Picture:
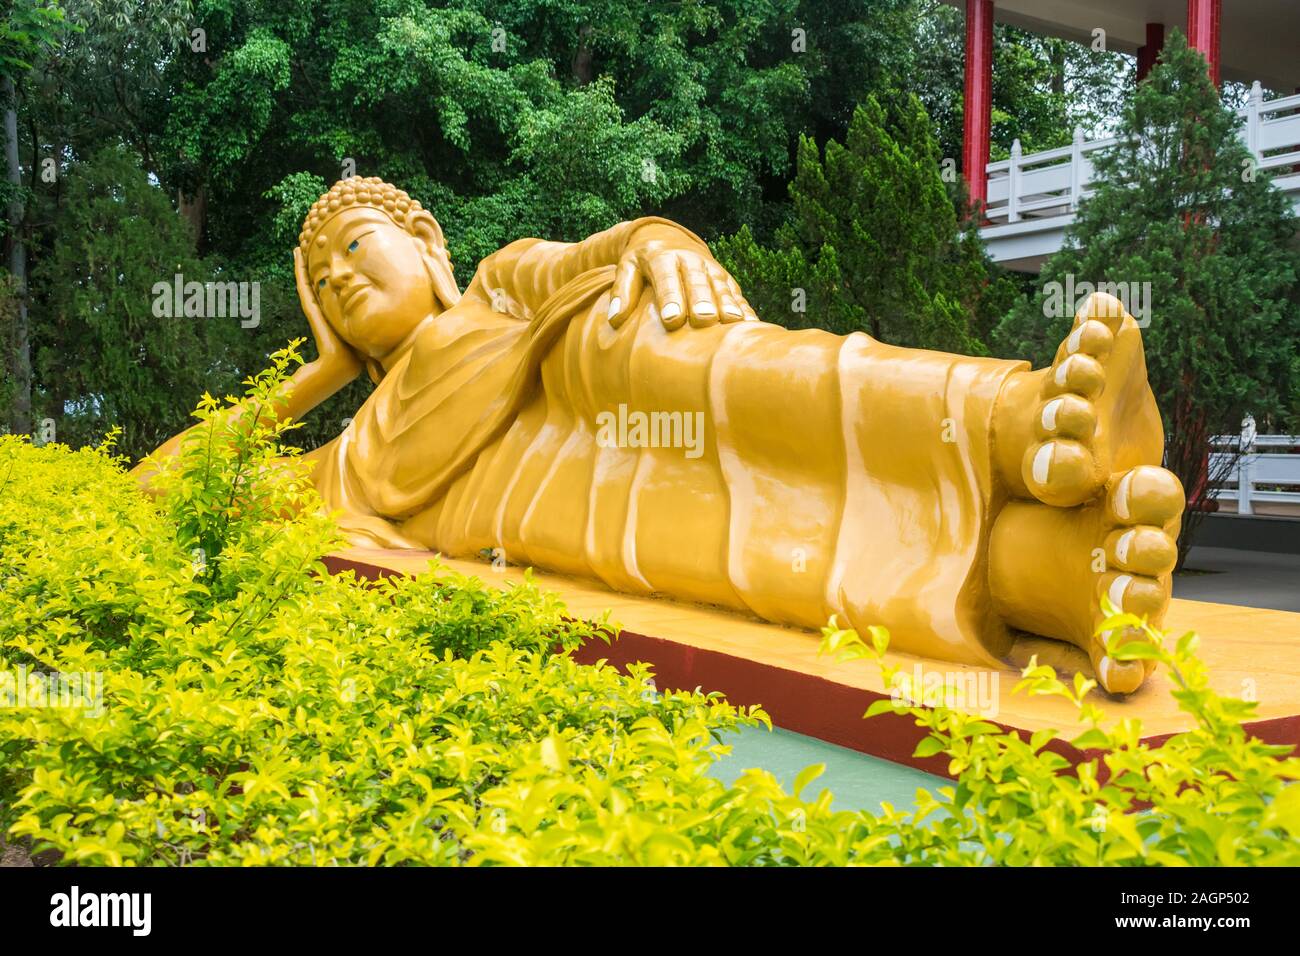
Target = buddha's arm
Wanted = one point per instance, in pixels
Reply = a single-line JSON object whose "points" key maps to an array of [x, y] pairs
{"points": [[309, 385], [685, 277]]}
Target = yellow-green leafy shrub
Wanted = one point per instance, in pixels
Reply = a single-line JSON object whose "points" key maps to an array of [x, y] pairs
{"points": [[1211, 796]]}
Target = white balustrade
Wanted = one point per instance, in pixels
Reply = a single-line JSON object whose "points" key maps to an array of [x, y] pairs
{"points": [[1256, 469], [1050, 183]]}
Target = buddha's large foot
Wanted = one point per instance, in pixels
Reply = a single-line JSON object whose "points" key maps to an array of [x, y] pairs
{"points": [[1050, 567], [1066, 429], [1083, 438]]}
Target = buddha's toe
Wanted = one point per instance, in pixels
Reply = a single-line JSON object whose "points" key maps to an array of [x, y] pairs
{"points": [[1114, 676], [1098, 375], [1147, 494]]}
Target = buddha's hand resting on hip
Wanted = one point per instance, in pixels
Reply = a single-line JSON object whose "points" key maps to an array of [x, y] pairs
{"points": [[687, 283], [335, 355]]}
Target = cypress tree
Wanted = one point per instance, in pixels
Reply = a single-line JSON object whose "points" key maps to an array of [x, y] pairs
{"points": [[874, 242]]}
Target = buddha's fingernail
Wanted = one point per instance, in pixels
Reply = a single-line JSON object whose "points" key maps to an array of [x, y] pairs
{"points": [[672, 310], [615, 304], [704, 307], [731, 309], [1103, 671]]}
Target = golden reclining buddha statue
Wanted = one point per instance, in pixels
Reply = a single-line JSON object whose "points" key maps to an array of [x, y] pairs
{"points": [[614, 409]]}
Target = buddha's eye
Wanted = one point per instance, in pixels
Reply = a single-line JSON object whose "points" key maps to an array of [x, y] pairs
{"points": [[352, 246], [321, 283]]}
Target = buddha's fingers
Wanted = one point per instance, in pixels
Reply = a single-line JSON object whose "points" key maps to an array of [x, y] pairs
{"points": [[699, 289], [746, 310], [726, 295], [331, 349], [628, 284], [306, 297], [668, 289]]}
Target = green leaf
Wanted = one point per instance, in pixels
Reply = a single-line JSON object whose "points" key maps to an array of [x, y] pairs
{"points": [[929, 746], [806, 776]]}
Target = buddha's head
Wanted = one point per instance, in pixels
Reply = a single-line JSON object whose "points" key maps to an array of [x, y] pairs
{"points": [[377, 263]]}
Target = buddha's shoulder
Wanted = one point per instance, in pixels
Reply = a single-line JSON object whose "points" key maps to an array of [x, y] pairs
{"points": [[467, 323]]}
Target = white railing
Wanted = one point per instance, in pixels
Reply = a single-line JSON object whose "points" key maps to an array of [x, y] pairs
{"points": [[1051, 183], [1269, 460]]}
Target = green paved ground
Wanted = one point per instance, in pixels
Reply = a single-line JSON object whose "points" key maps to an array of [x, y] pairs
{"points": [[857, 781]]}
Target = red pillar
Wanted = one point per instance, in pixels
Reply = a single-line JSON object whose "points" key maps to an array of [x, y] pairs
{"points": [[1150, 53], [978, 109], [1203, 31]]}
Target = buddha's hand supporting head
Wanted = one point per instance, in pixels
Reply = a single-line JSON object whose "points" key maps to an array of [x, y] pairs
{"points": [[374, 263]]}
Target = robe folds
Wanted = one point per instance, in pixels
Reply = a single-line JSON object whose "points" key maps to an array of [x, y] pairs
{"points": [[834, 475]]}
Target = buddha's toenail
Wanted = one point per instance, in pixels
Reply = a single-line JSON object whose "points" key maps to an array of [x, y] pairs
{"points": [[1121, 497], [1062, 370], [1117, 589], [1075, 340], [1103, 671], [1122, 546], [1049, 413], [1043, 463]]}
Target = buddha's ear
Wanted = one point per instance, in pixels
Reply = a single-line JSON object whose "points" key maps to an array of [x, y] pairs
{"points": [[425, 228], [437, 261]]}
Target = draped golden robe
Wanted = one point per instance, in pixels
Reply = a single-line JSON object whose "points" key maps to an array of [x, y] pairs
{"points": [[803, 502]]}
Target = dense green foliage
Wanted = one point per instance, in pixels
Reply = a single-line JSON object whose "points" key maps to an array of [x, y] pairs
{"points": [[874, 242], [255, 709], [1180, 212], [519, 118]]}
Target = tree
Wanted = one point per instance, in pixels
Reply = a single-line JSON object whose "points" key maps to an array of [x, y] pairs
{"points": [[105, 356], [1181, 215], [874, 242], [513, 118], [27, 29]]}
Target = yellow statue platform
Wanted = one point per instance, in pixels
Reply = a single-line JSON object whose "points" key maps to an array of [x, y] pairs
{"points": [[613, 409]]}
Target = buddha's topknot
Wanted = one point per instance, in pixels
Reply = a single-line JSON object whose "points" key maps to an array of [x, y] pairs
{"points": [[358, 191]]}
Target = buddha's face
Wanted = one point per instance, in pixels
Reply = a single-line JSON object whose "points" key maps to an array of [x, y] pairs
{"points": [[370, 278]]}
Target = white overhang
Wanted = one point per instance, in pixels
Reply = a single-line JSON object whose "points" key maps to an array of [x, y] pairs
{"points": [[1258, 39]]}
